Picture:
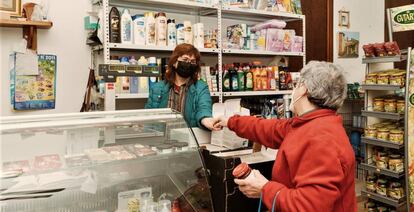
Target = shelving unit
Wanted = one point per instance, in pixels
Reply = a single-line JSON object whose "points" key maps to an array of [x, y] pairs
{"points": [[197, 10], [373, 116]]}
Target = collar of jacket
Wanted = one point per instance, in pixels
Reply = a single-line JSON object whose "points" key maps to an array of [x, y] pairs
{"points": [[300, 120]]}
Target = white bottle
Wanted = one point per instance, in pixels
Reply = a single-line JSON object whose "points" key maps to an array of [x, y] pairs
{"points": [[149, 29], [126, 27], [188, 32], [198, 31], [172, 33], [139, 30], [161, 29], [180, 34]]}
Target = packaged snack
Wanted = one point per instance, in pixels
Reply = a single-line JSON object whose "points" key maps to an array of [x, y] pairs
{"points": [[392, 48], [380, 50], [46, 162], [22, 165], [77, 160], [369, 50]]}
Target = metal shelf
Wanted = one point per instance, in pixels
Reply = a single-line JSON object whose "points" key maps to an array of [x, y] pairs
{"points": [[380, 87], [256, 93], [182, 5], [121, 46], [259, 14], [382, 143], [258, 52], [389, 201], [385, 172], [382, 115], [214, 93], [131, 95], [388, 59]]}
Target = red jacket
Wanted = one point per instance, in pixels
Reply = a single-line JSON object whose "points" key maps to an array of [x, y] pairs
{"points": [[315, 165]]}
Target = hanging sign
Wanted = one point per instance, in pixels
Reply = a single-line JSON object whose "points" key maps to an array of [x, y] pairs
{"points": [[402, 18]]}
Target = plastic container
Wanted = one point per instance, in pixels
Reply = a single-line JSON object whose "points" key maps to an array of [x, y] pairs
{"points": [[188, 32], [126, 27], [164, 206], [150, 29], [171, 32], [115, 26], [161, 29], [139, 29], [242, 171], [241, 79], [180, 34], [180, 146]]}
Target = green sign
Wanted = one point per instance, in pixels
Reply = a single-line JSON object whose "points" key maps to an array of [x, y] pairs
{"points": [[402, 18]]}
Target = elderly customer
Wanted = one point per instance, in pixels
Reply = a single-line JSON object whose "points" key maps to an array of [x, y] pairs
{"points": [[314, 167]]}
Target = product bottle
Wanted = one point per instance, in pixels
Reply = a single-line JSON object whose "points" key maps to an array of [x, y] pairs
{"points": [[249, 79], [226, 81], [257, 79], [126, 27], [198, 32], [139, 29], [242, 171], [234, 83], [142, 61], [240, 79], [188, 32], [149, 29], [161, 29], [263, 74], [180, 34], [271, 79], [114, 26], [172, 33]]}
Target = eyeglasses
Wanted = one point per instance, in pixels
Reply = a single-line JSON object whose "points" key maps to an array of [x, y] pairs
{"points": [[187, 60]]}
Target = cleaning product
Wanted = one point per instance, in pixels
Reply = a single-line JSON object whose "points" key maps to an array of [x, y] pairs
{"points": [[249, 78], [271, 79], [263, 79], [142, 61], [149, 29], [240, 79], [172, 32], [180, 34], [188, 32], [161, 29], [139, 29], [198, 38], [226, 81], [126, 27], [114, 26], [133, 81], [234, 84]]}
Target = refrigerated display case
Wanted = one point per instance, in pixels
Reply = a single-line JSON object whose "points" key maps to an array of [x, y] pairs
{"points": [[141, 160]]}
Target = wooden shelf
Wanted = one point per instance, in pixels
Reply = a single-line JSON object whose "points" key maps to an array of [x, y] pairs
{"points": [[21, 24]]}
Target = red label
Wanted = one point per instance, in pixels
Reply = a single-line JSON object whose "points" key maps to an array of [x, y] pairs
{"points": [[110, 86]]}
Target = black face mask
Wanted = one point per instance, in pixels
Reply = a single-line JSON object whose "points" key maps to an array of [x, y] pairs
{"points": [[185, 69]]}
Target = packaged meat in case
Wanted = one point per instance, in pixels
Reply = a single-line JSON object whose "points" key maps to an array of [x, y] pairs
{"points": [[380, 50], [46, 162], [392, 48], [369, 50]]}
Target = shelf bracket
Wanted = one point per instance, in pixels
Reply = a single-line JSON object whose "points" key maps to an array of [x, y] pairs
{"points": [[30, 35]]}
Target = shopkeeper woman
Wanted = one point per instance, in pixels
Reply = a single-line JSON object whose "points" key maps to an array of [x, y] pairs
{"points": [[182, 91], [314, 167]]}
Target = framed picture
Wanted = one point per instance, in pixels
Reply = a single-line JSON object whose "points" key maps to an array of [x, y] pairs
{"points": [[11, 7], [348, 44], [343, 19]]}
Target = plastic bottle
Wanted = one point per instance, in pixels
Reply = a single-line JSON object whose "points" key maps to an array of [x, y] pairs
{"points": [[188, 32], [257, 85], [264, 81], [180, 34], [142, 61], [139, 29], [161, 29], [271, 79], [172, 32], [226, 81], [240, 79], [126, 27], [234, 83], [114, 26], [249, 79], [149, 29]]}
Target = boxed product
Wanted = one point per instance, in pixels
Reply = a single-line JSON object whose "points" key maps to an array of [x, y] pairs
{"points": [[46, 162], [298, 45], [274, 40], [236, 34], [288, 40], [261, 39]]}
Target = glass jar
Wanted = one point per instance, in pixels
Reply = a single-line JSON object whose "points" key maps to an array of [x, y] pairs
{"points": [[371, 183], [396, 163], [396, 136], [382, 209], [401, 106], [383, 133], [396, 190], [397, 79], [390, 105], [391, 127], [379, 104], [382, 160], [370, 206], [371, 79], [370, 132], [382, 187], [383, 79]]}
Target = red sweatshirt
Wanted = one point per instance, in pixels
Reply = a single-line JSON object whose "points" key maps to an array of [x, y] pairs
{"points": [[315, 165]]}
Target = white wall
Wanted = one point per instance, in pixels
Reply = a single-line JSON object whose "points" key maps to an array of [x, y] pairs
{"points": [[367, 18], [66, 39]]}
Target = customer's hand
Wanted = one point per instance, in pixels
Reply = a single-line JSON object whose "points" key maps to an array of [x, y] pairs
{"points": [[221, 122], [252, 186], [210, 123]]}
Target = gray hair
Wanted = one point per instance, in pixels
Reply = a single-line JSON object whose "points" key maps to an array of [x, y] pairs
{"points": [[326, 84]]}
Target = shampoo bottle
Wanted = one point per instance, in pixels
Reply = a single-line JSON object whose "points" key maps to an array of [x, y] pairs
{"points": [[161, 29], [188, 32], [149, 29], [126, 27], [180, 34], [139, 30], [172, 33], [114, 26]]}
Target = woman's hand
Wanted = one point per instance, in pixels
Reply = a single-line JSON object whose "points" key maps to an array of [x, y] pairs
{"points": [[252, 186], [221, 122], [210, 123]]}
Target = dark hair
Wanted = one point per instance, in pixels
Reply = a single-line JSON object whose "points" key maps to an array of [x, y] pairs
{"points": [[179, 51]]}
